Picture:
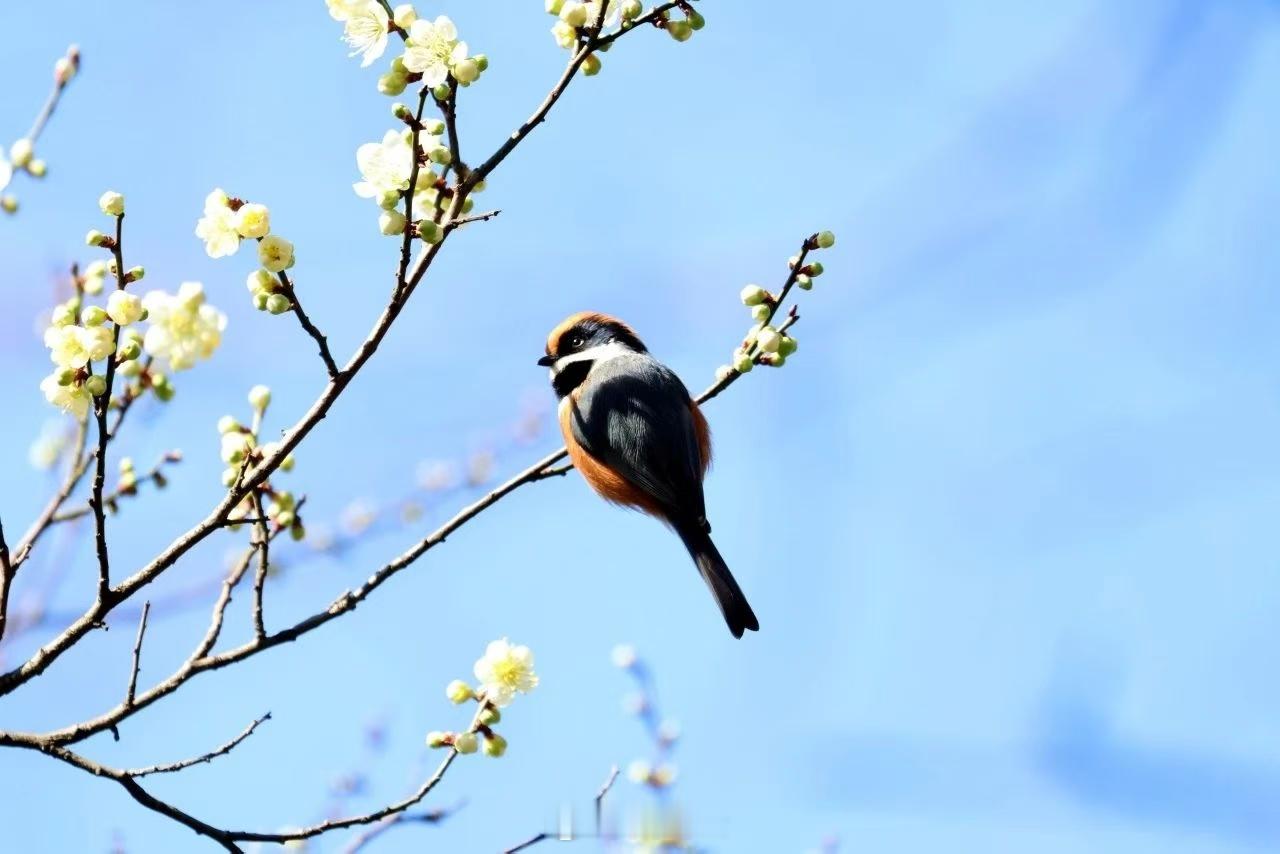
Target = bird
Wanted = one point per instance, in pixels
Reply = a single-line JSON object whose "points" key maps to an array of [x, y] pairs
{"points": [[639, 440]]}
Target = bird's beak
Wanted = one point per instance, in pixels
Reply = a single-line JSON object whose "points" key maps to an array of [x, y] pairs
{"points": [[547, 361]]}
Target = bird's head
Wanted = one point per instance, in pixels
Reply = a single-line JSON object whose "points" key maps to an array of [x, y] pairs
{"points": [[580, 341]]}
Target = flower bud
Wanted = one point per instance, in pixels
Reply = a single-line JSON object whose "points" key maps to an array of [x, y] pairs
{"points": [[402, 112], [466, 71], [458, 692], [37, 168], [392, 84], [826, 240], [742, 362], [632, 9], [404, 15], [260, 300], [261, 281], [788, 346], [495, 745], [490, 715], [93, 316], [774, 360], [227, 423], [389, 199], [128, 351], [769, 339], [591, 65], [436, 738], [391, 222], [804, 282], [297, 531], [760, 313], [259, 397], [95, 238], [277, 304], [66, 377], [287, 463], [9, 204], [681, 31], [111, 203], [554, 6], [482, 62], [441, 92], [21, 152], [753, 295], [696, 21], [814, 268], [441, 155], [430, 231], [96, 385], [132, 367], [465, 742], [135, 274], [433, 127]]}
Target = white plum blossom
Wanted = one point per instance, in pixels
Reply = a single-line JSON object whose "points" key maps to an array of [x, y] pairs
{"points": [[183, 327], [341, 10], [432, 49], [70, 398], [366, 30], [217, 228], [505, 669], [72, 347], [253, 221], [385, 165], [275, 253], [124, 308]]}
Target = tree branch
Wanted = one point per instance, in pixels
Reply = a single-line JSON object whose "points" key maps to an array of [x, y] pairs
{"points": [[137, 655], [204, 757]]}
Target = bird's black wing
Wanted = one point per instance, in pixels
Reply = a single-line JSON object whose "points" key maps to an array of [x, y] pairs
{"points": [[634, 415]]}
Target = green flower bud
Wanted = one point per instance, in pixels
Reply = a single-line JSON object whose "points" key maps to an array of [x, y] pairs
{"points": [[495, 745], [285, 519], [297, 532], [458, 692], [392, 84], [287, 463], [126, 465], [227, 423], [591, 65], [260, 300], [753, 295], [482, 62], [401, 112], [490, 715], [128, 351], [468, 205], [554, 6], [804, 282], [433, 127], [814, 268], [769, 339], [466, 71], [574, 14], [9, 204], [37, 169], [66, 377], [441, 92], [162, 387], [131, 368], [278, 304], [441, 155], [95, 238], [436, 738], [788, 346], [135, 274], [93, 316], [696, 20], [430, 231], [465, 742], [96, 385], [389, 200], [742, 362], [391, 223], [480, 186], [760, 313], [632, 9], [681, 31], [774, 360], [826, 240], [261, 281]]}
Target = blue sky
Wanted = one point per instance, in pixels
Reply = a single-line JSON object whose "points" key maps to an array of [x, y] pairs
{"points": [[1007, 518]]}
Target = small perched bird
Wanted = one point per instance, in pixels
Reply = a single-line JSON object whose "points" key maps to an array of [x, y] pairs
{"points": [[639, 440]]}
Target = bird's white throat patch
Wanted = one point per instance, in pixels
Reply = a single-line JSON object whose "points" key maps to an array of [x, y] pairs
{"points": [[599, 354]]}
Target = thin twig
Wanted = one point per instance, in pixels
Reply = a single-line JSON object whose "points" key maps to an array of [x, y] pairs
{"points": [[433, 817], [311, 329], [137, 655], [204, 757], [264, 565], [604, 790], [155, 474]]}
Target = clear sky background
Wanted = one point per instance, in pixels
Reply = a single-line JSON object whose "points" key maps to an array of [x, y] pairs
{"points": [[1008, 518]]}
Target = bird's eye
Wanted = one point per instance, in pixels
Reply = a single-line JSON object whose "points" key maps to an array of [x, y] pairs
{"points": [[576, 341]]}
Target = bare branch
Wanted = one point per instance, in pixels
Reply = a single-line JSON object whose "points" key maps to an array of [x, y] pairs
{"points": [[137, 655], [264, 564], [204, 757], [604, 790], [322, 342]]}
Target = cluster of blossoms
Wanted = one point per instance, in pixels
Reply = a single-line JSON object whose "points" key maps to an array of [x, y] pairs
{"points": [[766, 344], [22, 154], [575, 19], [182, 329], [225, 223], [432, 51], [503, 671], [659, 773], [386, 170], [241, 450]]}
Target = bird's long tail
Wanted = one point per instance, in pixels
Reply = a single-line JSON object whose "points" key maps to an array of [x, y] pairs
{"points": [[729, 596]]}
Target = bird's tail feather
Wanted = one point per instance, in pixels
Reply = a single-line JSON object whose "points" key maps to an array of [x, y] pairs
{"points": [[733, 604]]}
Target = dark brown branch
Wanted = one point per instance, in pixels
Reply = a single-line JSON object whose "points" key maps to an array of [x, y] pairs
{"points": [[204, 757], [264, 565], [137, 655], [287, 288]]}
